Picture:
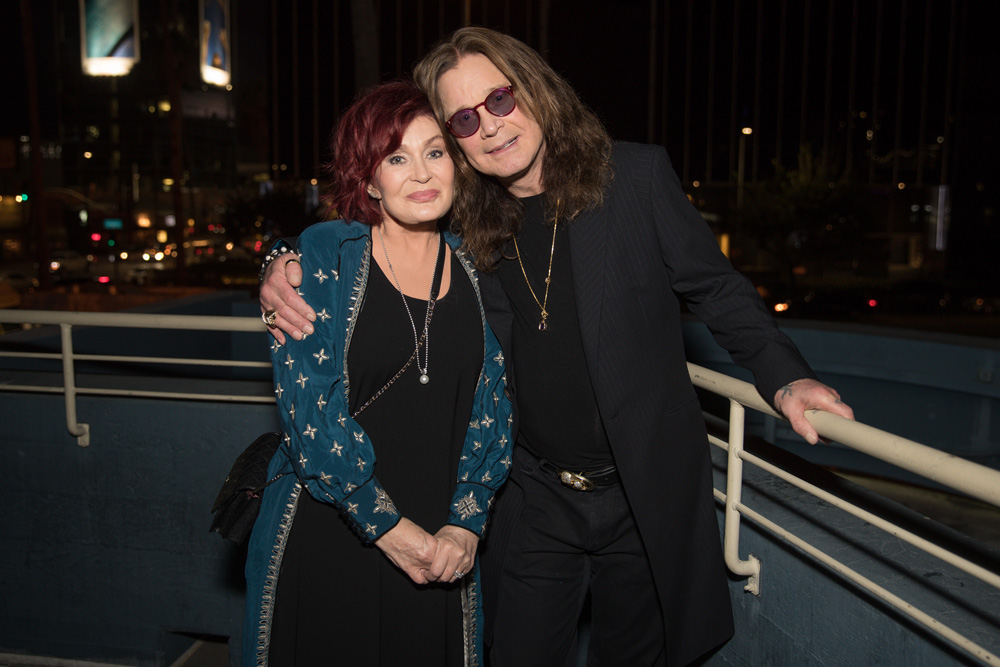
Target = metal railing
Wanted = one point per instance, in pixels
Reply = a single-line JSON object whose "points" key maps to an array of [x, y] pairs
{"points": [[963, 476], [67, 320]]}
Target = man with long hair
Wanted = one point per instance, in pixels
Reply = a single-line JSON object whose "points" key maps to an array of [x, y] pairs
{"points": [[584, 248]]}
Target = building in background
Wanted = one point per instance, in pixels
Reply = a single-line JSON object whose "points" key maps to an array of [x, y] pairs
{"points": [[870, 117]]}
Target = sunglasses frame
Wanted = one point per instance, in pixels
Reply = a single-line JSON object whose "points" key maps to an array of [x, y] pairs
{"points": [[510, 91]]}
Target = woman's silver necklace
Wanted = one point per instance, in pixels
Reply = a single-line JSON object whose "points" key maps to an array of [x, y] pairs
{"points": [[425, 337]]}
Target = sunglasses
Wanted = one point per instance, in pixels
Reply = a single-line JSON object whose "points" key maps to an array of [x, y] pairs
{"points": [[464, 122]]}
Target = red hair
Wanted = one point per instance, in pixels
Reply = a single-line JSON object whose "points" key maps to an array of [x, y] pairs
{"points": [[368, 131]]}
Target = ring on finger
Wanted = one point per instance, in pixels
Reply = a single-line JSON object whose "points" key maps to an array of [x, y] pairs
{"points": [[459, 574], [293, 260], [270, 318]]}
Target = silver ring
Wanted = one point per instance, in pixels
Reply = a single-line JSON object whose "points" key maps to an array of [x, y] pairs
{"points": [[293, 260], [459, 575], [270, 318]]}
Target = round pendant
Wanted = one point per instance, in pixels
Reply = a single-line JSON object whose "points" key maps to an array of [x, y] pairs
{"points": [[542, 326], [424, 379]]}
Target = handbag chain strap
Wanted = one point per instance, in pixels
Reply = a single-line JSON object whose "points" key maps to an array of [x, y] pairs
{"points": [[392, 379], [430, 311]]}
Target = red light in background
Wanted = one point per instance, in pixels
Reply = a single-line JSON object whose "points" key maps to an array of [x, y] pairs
{"points": [[104, 279], [872, 303], [95, 237]]}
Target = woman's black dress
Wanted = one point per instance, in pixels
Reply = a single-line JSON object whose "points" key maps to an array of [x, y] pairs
{"points": [[340, 601]]}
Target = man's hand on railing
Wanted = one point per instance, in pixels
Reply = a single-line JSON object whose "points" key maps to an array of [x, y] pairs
{"points": [[292, 315], [796, 397]]}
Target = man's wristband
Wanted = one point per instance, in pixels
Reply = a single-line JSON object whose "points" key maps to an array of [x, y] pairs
{"points": [[277, 250]]}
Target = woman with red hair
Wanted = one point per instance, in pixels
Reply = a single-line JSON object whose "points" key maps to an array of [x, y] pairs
{"points": [[364, 552]]}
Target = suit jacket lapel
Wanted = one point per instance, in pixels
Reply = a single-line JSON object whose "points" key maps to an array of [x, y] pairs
{"points": [[587, 239]]}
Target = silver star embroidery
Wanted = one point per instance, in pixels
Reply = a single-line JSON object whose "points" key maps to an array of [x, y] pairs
{"points": [[335, 273], [383, 503], [487, 421], [467, 507], [352, 508], [302, 459], [279, 391], [302, 380], [476, 445], [310, 431], [370, 528], [323, 315], [506, 462], [486, 477], [341, 419], [320, 403], [510, 420], [275, 346], [499, 358], [289, 361], [291, 412], [319, 275], [323, 477], [321, 356], [337, 448], [349, 487], [474, 424], [360, 437], [288, 439], [496, 400], [503, 440], [465, 477], [361, 464]]}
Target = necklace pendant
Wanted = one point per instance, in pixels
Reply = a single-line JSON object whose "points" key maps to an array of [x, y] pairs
{"points": [[424, 379], [542, 326]]}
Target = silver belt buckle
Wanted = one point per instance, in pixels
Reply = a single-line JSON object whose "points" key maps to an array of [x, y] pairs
{"points": [[575, 481]]}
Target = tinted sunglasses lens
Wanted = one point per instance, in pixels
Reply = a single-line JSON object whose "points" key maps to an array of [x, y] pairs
{"points": [[500, 102], [464, 123]]}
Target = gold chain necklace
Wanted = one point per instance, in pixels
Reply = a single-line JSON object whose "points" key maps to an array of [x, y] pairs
{"points": [[543, 325]]}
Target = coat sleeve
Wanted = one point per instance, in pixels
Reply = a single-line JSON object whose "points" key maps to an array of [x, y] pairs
{"points": [[486, 453], [714, 291], [329, 451]]}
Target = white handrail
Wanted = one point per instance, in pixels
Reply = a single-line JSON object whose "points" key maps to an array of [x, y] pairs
{"points": [[964, 476], [957, 473], [67, 320]]}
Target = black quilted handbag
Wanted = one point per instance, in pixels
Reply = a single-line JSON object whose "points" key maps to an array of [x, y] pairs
{"points": [[238, 503]]}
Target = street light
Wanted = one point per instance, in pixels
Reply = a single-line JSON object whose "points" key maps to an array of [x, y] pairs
{"points": [[746, 132]]}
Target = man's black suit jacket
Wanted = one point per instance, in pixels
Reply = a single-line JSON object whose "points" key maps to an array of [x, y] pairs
{"points": [[632, 260]]}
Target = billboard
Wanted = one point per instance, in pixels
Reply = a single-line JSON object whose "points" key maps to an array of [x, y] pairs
{"points": [[109, 36], [216, 61]]}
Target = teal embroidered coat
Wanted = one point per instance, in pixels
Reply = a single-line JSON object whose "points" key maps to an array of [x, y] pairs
{"points": [[328, 452]]}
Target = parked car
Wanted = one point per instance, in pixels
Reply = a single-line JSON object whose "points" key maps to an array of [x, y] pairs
{"points": [[69, 265]]}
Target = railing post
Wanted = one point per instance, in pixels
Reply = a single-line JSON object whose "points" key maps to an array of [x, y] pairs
{"points": [[734, 488], [81, 431]]}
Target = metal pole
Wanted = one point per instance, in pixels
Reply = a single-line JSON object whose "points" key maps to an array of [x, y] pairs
{"points": [[81, 431]]}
